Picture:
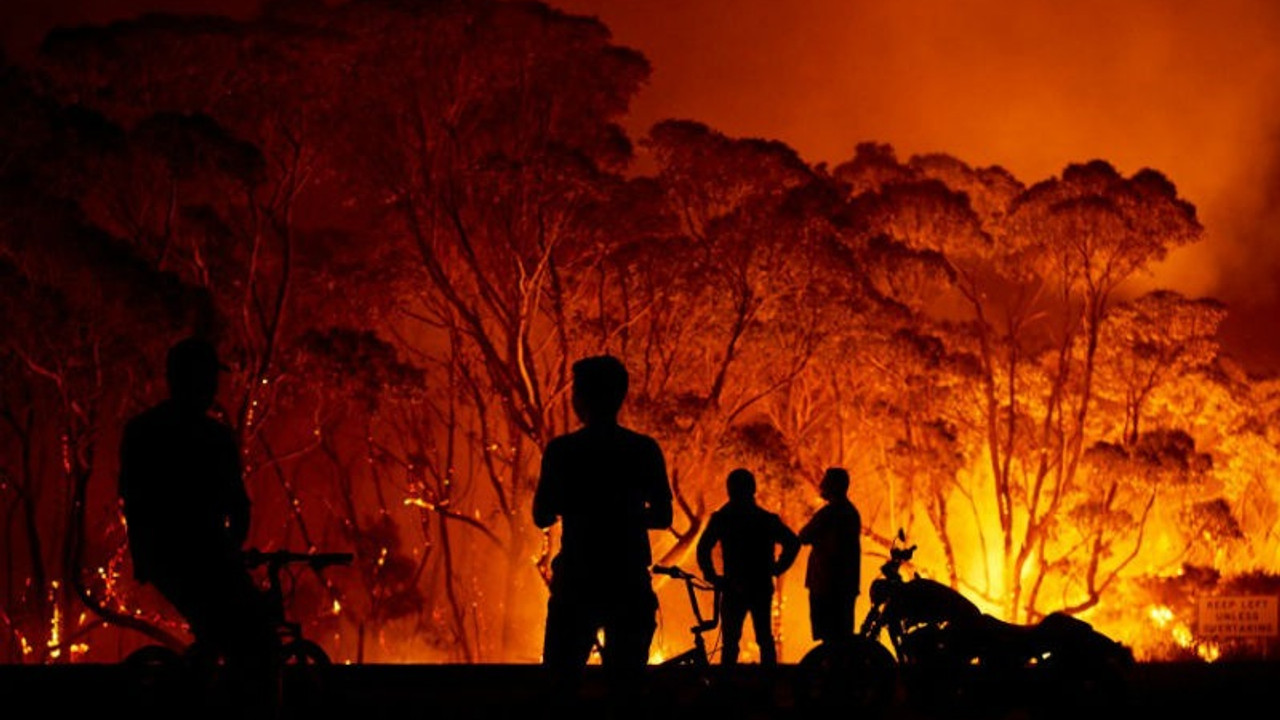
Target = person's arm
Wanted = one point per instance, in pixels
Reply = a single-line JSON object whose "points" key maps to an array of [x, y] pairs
{"points": [[710, 536], [810, 530], [658, 511], [137, 522], [790, 543], [237, 497], [132, 474], [546, 499], [125, 482]]}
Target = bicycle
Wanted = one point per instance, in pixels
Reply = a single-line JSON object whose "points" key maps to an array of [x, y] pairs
{"points": [[695, 656], [691, 694], [292, 649]]}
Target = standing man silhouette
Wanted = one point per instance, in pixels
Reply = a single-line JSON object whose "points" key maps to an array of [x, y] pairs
{"points": [[187, 511], [834, 569], [608, 486], [749, 538]]}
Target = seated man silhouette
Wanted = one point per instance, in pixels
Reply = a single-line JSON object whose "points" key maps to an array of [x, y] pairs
{"points": [[187, 512], [749, 538], [607, 486]]}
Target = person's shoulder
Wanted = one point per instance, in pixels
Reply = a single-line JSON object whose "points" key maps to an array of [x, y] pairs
{"points": [[562, 446], [849, 514], [716, 519], [220, 429], [771, 516], [145, 420], [776, 521], [639, 439], [560, 442], [826, 515]]}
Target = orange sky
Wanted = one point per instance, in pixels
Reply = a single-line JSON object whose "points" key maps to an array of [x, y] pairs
{"points": [[1190, 87]]}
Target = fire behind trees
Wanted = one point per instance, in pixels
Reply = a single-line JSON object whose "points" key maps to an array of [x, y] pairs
{"points": [[403, 222]]}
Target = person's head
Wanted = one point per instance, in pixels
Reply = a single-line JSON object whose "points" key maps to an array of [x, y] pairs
{"points": [[192, 368], [835, 484], [741, 485], [599, 387]]}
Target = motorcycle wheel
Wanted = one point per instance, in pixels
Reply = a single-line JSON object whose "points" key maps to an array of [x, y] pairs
{"points": [[858, 675], [304, 652], [150, 657], [1083, 688]]}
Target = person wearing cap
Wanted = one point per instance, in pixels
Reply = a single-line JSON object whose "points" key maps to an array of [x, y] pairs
{"points": [[187, 512], [833, 573], [755, 547]]}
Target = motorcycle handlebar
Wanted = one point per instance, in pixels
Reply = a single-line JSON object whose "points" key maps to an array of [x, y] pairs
{"points": [[902, 553]]}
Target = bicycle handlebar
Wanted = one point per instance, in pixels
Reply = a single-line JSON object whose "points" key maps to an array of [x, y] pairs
{"points": [[902, 554], [692, 584], [677, 573], [669, 571], [672, 571]]}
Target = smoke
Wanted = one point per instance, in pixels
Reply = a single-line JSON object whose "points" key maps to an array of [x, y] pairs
{"points": [[1189, 87]]}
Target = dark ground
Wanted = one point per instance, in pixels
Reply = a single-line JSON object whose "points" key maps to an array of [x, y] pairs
{"points": [[368, 692]]}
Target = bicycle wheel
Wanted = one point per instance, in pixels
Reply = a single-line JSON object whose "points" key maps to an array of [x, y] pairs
{"points": [[858, 675], [153, 657], [303, 652]]}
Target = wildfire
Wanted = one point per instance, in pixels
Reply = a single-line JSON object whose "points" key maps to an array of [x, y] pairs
{"points": [[974, 345], [1160, 615], [55, 623]]}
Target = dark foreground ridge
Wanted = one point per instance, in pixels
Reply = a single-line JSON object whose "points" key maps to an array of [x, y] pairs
{"points": [[365, 692]]}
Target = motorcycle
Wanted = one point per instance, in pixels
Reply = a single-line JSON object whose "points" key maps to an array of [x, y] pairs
{"points": [[949, 654]]}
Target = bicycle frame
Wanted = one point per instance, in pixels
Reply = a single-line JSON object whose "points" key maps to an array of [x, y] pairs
{"points": [[292, 643], [275, 562]]}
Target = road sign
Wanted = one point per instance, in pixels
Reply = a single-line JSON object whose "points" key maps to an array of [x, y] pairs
{"points": [[1239, 616]]}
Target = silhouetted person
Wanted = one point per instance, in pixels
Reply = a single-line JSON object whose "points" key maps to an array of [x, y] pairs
{"points": [[187, 512], [835, 560], [750, 539], [607, 485]]}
